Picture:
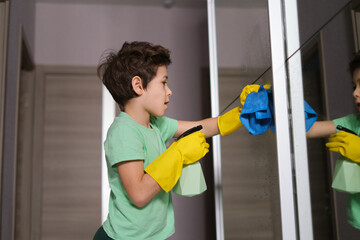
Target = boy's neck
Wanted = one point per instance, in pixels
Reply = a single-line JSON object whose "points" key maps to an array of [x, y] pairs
{"points": [[138, 114]]}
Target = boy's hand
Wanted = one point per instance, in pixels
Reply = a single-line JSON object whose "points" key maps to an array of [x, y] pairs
{"points": [[347, 144], [192, 147], [167, 168], [249, 89], [229, 122]]}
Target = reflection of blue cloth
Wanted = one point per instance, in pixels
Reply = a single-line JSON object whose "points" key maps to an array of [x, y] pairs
{"points": [[271, 107], [257, 114], [310, 116]]}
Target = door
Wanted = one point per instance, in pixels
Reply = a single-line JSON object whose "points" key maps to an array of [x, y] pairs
{"points": [[69, 118]]}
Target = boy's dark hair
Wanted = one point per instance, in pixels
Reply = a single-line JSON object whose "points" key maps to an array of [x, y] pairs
{"points": [[354, 63], [133, 59]]}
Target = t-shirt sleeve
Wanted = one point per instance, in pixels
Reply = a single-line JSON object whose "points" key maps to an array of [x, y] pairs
{"points": [[349, 121], [124, 144], [167, 127]]}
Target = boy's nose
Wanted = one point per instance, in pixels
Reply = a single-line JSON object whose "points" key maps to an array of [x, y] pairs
{"points": [[356, 92], [169, 92]]}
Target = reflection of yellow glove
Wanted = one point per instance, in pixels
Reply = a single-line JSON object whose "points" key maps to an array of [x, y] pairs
{"points": [[347, 144], [229, 122], [249, 89], [166, 169]]}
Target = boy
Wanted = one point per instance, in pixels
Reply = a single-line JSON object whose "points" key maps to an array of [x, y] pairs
{"points": [[141, 171]]}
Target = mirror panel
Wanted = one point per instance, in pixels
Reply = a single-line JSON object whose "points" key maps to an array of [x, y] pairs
{"points": [[328, 40], [249, 163]]}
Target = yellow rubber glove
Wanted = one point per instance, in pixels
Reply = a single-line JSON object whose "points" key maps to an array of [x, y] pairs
{"points": [[166, 169], [249, 89], [347, 144], [229, 122]]}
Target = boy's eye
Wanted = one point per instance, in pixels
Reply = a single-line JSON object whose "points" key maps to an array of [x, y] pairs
{"points": [[354, 86]]}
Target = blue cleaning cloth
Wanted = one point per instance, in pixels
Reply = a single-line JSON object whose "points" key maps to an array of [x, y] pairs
{"points": [[310, 116], [256, 115], [271, 107]]}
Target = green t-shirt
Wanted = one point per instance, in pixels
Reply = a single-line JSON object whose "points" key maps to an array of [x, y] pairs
{"points": [[127, 140], [352, 122]]}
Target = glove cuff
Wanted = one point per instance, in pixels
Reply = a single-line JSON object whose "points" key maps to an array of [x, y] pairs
{"points": [[166, 169], [229, 122]]}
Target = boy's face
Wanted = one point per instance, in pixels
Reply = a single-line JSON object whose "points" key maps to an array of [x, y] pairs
{"points": [[356, 83], [157, 93]]}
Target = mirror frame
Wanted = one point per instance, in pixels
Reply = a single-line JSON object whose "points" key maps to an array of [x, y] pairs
{"points": [[355, 14], [4, 19]]}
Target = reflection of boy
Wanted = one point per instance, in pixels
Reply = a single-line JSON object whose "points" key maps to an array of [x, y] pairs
{"points": [[141, 170], [347, 144]]}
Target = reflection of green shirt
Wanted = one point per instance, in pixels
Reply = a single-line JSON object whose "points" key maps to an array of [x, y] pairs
{"points": [[127, 140], [353, 210], [352, 122]]}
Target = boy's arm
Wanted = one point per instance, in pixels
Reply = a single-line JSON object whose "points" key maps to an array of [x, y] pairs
{"points": [[139, 186], [162, 173], [321, 129], [210, 127], [225, 124]]}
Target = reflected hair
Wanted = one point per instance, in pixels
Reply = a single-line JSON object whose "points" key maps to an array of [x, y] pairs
{"points": [[117, 69], [354, 63]]}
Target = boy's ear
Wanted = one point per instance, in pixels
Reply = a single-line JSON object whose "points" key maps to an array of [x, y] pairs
{"points": [[137, 85]]}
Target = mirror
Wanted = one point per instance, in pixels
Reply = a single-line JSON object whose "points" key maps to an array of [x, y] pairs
{"points": [[249, 162], [327, 45]]}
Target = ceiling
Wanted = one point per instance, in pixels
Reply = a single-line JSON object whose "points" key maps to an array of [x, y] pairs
{"points": [[168, 3]]}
